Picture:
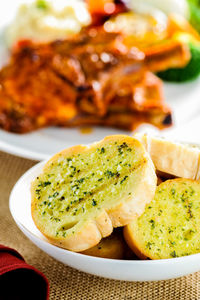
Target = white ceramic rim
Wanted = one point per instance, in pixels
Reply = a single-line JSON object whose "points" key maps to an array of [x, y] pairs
{"points": [[21, 152]]}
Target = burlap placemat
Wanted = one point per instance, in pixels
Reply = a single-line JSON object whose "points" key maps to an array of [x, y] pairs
{"points": [[67, 283]]}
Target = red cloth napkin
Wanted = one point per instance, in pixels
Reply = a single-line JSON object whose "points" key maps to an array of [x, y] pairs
{"points": [[18, 280]]}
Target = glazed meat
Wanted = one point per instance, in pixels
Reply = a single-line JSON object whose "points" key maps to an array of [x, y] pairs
{"points": [[93, 78], [168, 54]]}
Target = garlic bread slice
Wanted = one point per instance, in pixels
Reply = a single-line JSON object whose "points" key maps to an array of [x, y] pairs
{"points": [[85, 191], [178, 159], [113, 247], [170, 225]]}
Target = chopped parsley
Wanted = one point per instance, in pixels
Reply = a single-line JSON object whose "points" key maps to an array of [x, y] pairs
{"points": [[109, 173], [55, 194], [102, 150], [125, 177], [148, 245], [123, 146], [80, 180], [173, 191], [152, 223], [94, 203], [173, 254]]}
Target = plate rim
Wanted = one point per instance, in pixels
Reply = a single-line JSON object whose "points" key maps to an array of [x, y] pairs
{"points": [[21, 152], [39, 156]]}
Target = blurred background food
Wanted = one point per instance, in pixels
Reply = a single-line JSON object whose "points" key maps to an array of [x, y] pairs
{"points": [[170, 6], [44, 21], [96, 62], [194, 13]]}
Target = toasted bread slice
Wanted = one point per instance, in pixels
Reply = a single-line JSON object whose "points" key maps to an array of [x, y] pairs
{"points": [[85, 191], [170, 225], [113, 247], [178, 159]]}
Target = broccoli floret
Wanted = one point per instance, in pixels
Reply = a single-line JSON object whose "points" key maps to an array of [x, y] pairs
{"points": [[194, 7], [189, 72]]}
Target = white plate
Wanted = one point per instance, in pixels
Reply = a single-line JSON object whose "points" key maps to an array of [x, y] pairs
{"points": [[183, 99], [129, 270]]}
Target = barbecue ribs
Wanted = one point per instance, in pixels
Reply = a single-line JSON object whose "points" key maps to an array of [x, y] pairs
{"points": [[93, 78]]}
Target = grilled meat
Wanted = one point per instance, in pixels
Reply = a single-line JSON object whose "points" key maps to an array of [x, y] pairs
{"points": [[93, 78]]}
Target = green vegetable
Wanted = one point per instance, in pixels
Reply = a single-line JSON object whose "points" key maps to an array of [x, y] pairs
{"points": [[41, 4], [189, 72], [194, 6]]}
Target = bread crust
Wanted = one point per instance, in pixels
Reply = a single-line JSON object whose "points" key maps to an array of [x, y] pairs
{"points": [[91, 231], [173, 158], [132, 243]]}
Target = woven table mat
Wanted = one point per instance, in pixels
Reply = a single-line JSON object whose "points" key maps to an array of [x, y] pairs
{"points": [[67, 283]]}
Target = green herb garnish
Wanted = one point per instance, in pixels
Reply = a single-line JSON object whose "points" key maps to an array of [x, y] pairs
{"points": [[173, 254], [102, 150], [125, 177], [41, 4], [94, 203]]}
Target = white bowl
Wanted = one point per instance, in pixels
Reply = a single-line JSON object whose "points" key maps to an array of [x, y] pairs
{"points": [[129, 270]]}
